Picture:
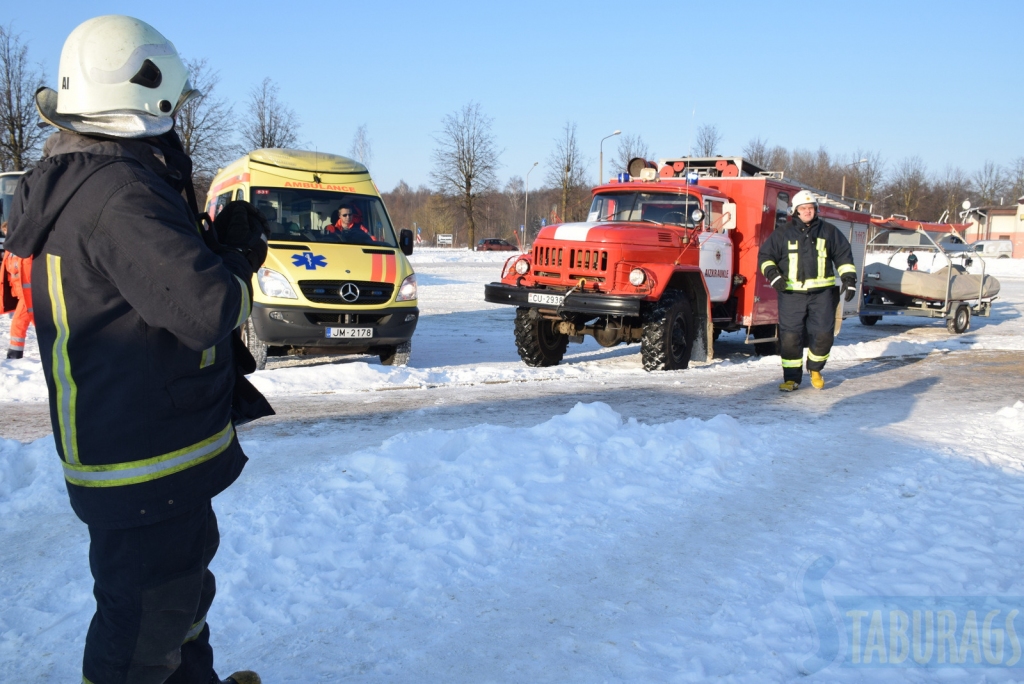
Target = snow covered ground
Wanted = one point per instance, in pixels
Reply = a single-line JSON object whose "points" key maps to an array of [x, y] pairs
{"points": [[587, 544]]}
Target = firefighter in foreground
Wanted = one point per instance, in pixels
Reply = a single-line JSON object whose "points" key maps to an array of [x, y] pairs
{"points": [[135, 321], [801, 261], [15, 279]]}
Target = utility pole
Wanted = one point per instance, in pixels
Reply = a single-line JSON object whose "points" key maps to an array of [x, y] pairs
{"points": [[526, 203], [600, 166]]}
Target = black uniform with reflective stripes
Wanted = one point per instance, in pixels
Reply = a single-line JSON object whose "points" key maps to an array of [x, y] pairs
{"points": [[134, 315], [809, 257]]}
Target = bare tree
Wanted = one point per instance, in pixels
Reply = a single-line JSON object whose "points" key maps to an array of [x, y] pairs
{"points": [[908, 185], [269, 122], [1015, 178], [205, 124], [361, 149], [989, 184], [567, 172], [630, 147], [708, 139], [465, 160], [756, 152], [863, 178], [20, 135], [948, 193]]}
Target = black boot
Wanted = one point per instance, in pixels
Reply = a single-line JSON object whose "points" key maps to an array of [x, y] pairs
{"points": [[242, 677], [15, 353]]}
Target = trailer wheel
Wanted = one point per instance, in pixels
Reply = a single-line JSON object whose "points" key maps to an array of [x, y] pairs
{"points": [[396, 355], [766, 348], [537, 341], [869, 320], [668, 333], [961, 320], [257, 347]]}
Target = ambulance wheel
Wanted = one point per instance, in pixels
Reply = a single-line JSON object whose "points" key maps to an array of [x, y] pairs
{"points": [[396, 356], [537, 341], [668, 333], [765, 348], [961, 320], [257, 347]]}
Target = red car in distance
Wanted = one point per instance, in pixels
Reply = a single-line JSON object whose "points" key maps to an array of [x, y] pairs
{"points": [[495, 245]]}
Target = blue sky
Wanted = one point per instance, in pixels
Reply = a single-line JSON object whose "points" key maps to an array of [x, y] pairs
{"points": [[940, 80]]}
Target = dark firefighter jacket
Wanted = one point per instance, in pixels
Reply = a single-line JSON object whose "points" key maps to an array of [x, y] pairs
{"points": [[133, 316], [805, 254]]}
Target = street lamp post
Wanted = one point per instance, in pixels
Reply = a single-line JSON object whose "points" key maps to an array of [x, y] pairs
{"points": [[600, 167], [526, 204], [842, 193]]}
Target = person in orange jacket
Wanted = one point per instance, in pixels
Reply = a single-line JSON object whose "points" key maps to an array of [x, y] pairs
{"points": [[16, 277]]}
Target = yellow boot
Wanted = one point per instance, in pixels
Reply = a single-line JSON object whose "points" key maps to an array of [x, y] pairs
{"points": [[817, 382], [789, 386]]}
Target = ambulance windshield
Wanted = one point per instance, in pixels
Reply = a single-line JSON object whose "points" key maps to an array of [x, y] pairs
{"points": [[323, 216], [661, 208]]}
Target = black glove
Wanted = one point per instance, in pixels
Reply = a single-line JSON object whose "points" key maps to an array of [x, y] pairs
{"points": [[849, 286], [241, 227], [775, 279]]}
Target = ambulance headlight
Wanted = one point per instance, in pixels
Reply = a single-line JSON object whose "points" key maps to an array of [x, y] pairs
{"points": [[522, 267], [273, 284], [637, 277], [407, 292]]}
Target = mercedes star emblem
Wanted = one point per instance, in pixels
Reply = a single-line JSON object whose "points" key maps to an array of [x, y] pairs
{"points": [[349, 292]]}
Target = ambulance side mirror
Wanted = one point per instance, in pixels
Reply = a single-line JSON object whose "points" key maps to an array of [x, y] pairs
{"points": [[729, 216], [405, 241]]}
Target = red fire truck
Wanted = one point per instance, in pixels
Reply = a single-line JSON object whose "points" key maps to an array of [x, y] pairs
{"points": [[667, 258]]}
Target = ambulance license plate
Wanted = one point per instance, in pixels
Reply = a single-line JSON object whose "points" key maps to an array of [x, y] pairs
{"points": [[553, 300], [347, 333]]}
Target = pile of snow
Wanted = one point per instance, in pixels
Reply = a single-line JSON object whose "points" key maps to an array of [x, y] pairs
{"points": [[1012, 417], [586, 548]]}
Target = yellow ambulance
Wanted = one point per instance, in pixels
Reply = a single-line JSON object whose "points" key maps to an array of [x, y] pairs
{"points": [[336, 279]]}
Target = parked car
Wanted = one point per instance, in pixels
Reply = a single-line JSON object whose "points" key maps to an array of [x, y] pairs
{"points": [[993, 249], [495, 245]]}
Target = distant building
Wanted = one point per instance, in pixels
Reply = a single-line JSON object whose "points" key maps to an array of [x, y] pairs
{"points": [[999, 222]]}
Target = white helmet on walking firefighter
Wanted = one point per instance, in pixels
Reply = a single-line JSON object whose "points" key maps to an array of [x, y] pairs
{"points": [[804, 197], [118, 77]]}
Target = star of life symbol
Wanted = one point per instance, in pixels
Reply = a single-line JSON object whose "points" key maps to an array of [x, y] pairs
{"points": [[718, 255], [349, 292], [309, 260]]}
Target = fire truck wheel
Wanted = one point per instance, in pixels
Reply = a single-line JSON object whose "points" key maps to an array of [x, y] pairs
{"points": [[536, 340], [668, 333], [256, 346], [869, 320], [765, 348], [396, 356]]}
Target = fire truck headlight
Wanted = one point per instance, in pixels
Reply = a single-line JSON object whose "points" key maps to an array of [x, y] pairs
{"points": [[522, 267], [637, 277]]}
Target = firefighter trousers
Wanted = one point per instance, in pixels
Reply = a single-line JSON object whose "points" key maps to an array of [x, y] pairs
{"points": [[153, 588], [810, 317]]}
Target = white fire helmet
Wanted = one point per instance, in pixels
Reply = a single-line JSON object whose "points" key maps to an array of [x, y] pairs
{"points": [[804, 197], [118, 77]]}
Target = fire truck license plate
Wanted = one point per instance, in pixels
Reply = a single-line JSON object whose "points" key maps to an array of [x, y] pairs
{"points": [[349, 332], [553, 300]]}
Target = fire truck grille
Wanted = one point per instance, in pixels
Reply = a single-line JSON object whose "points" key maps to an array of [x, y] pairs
{"points": [[588, 260], [547, 256], [329, 291]]}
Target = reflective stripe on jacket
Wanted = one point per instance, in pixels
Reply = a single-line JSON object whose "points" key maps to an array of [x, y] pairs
{"points": [[808, 256]]}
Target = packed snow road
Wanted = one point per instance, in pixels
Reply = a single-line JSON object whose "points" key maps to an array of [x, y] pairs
{"points": [[470, 519]]}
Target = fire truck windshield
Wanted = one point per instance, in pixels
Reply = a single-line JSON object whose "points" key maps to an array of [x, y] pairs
{"points": [[662, 208]]}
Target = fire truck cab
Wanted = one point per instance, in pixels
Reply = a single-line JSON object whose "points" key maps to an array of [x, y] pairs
{"points": [[668, 258]]}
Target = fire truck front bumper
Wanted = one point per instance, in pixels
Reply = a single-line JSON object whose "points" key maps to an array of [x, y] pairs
{"points": [[593, 303]]}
